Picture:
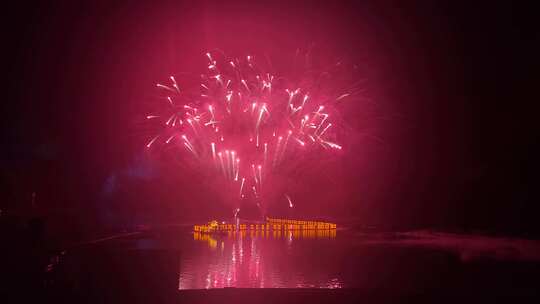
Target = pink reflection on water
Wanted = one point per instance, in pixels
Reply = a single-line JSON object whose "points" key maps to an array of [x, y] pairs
{"points": [[256, 259]]}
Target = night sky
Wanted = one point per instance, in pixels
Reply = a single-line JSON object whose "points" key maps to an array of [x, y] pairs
{"points": [[454, 88]]}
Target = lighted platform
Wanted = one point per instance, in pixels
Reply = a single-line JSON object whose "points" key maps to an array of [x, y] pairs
{"points": [[270, 225]]}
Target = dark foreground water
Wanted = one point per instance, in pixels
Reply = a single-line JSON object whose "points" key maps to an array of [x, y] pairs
{"points": [[345, 259], [160, 263]]}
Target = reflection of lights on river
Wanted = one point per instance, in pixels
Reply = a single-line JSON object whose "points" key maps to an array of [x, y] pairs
{"points": [[252, 259]]}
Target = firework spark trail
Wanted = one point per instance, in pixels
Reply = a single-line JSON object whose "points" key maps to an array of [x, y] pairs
{"points": [[289, 200], [241, 111], [242, 186]]}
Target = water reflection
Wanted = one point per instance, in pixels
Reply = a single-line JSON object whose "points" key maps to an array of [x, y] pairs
{"points": [[259, 259]]}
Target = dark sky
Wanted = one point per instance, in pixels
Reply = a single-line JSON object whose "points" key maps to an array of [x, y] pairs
{"points": [[454, 85]]}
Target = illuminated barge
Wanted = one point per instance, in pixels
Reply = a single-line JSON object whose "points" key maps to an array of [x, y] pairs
{"points": [[271, 224]]}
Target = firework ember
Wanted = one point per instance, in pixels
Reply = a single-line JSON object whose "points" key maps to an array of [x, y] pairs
{"points": [[249, 129]]}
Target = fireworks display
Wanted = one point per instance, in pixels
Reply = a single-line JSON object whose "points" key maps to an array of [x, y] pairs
{"points": [[250, 131]]}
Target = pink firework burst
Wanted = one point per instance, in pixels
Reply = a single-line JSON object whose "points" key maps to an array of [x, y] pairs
{"points": [[253, 133]]}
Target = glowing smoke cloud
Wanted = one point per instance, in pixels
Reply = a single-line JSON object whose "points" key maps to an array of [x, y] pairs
{"points": [[248, 127]]}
